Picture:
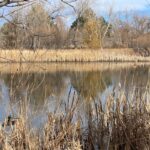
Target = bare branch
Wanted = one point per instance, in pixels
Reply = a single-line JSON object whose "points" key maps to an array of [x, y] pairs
{"points": [[15, 2], [69, 3]]}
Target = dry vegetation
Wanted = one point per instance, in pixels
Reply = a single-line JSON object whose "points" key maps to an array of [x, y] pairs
{"points": [[121, 123], [76, 55]]}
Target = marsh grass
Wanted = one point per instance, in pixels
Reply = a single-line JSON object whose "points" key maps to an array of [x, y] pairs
{"points": [[75, 55], [120, 124]]}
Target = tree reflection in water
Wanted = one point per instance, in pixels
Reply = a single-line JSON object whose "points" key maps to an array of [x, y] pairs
{"points": [[39, 87], [89, 84]]}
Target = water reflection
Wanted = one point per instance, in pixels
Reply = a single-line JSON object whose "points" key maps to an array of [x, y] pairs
{"points": [[55, 86], [36, 87], [90, 84]]}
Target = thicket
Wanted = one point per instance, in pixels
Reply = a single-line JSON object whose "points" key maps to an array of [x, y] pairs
{"points": [[36, 28]]}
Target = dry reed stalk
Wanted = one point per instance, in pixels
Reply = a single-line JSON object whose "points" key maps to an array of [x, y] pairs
{"points": [[76, 55], [117, 125]]}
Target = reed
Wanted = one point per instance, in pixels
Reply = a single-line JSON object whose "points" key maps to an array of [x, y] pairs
{"points": [[121, 123], [76, 55]]}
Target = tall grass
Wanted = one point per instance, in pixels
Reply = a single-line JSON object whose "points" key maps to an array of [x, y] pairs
{"points": [[76, 55], [122, 123]]}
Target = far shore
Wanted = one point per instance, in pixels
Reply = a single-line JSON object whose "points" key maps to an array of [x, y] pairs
{"points": [[72, 55]]}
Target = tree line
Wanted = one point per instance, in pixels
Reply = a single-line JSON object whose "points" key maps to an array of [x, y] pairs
{"points": [[38, 29]]}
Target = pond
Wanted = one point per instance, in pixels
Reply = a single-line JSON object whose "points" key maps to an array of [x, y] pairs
{"points": [[44, 86]]}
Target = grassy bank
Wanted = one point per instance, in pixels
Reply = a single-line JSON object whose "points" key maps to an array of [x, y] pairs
{"points": [[76, 55], [121, 123]]}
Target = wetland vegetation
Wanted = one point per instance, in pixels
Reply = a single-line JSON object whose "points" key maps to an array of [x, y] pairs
{"points": [[69, 109], [73, 77]]}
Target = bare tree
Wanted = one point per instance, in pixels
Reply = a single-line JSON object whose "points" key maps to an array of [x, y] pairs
{"points": [[61, 33], [69, 3]]}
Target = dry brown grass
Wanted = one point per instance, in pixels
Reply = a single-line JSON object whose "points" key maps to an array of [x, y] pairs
{"points": [[76, 55], [120, 124]]}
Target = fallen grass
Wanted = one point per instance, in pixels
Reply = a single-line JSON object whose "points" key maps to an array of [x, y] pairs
{"points": [[121, 123], [76, 55]]}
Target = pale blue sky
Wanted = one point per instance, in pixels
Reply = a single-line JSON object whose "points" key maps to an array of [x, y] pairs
{"points": [[101, 7], [121, 5]]}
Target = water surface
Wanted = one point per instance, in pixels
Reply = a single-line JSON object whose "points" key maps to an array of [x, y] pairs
{"points": [[43, 86]]}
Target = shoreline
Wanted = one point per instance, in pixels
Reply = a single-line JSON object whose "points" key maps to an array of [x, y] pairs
{"points": [[71, 55]]}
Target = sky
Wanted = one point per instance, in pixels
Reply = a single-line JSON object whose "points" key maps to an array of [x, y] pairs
{"points": [[101, 7], [120, 5]]}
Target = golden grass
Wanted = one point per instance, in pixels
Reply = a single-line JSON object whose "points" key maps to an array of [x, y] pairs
{"points": [[76, 55], [121, 124]]}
